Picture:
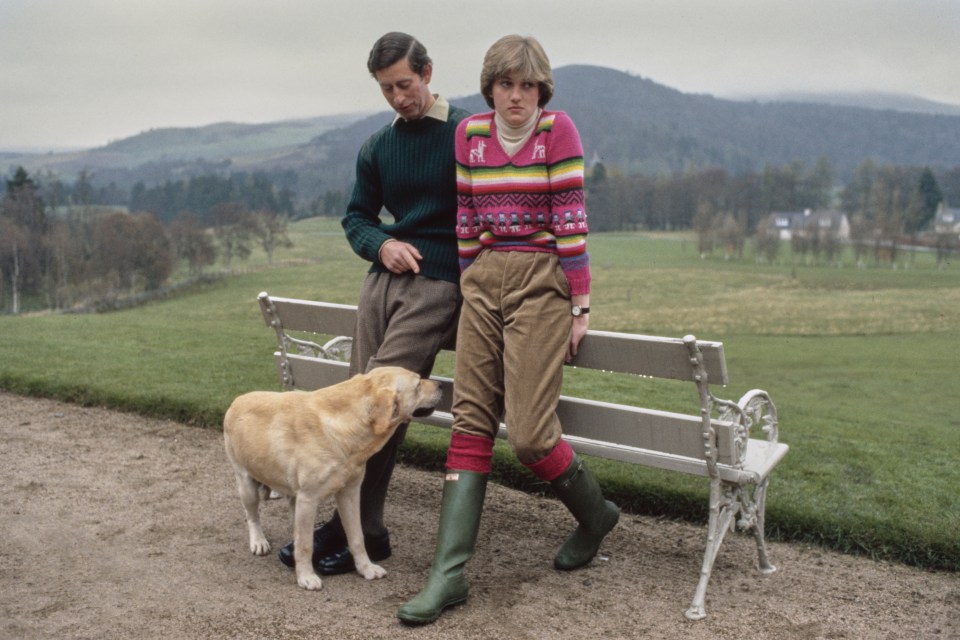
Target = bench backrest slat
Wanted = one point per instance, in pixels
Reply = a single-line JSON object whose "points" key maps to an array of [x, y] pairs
{"points": [[316, 317], [608, 351], [649, 356]]}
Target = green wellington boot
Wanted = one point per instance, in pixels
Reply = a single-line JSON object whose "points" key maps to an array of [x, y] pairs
{"points": [[456, 539], [579, 491]]}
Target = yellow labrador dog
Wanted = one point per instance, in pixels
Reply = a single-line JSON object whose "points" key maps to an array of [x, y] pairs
{"points": [[310, 446]]}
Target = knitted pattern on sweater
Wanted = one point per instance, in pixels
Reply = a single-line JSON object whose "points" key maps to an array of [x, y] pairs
{"points": [[408, 169], [532, 201]]}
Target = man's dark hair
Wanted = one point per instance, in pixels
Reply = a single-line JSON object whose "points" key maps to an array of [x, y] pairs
{"points": [[393, 47]]}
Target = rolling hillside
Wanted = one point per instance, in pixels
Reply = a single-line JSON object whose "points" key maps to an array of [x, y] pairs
{"points": [[625, 120]]}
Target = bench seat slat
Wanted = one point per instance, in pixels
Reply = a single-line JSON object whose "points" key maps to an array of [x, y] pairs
{"points": [[766, 457], [762, 456], [310, 373], [674, 434], [666, 461]]}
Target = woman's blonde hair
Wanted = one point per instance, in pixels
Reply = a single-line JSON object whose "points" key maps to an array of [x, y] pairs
{"points": [[516, 54]]}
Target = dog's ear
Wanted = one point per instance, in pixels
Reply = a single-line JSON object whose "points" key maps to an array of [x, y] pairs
{"points": [[384, 411]]}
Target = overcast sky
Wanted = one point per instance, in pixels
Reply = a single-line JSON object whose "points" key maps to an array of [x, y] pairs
{"points": [[81, 73]]}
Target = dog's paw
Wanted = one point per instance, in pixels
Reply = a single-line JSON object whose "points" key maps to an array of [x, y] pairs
{"points": [[310, 582], [258, 541], [371, 571], [259, 547]]}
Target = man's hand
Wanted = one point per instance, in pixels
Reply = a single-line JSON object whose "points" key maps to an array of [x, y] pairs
{"points": [[400, 257]]}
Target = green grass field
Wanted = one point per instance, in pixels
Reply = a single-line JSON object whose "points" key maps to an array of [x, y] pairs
{"points": [[858, 362]]}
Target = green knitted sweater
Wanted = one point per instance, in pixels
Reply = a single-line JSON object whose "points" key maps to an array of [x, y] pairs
{"points": [[408, 171]]}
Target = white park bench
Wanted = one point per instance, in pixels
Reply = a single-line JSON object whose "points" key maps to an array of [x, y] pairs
{"points": [[733, 444]]}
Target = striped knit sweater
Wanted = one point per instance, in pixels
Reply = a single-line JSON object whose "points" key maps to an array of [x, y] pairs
{"points": [[408, 169], [530, 202]]}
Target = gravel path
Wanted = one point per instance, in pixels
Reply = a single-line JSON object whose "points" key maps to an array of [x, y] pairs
{"points": [[118, 526]]}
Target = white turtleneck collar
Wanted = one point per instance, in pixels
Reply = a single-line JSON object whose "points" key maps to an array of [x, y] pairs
{"points": [[512, 138]]}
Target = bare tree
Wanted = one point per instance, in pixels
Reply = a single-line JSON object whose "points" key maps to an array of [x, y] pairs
{"points": [[13, 242], [271, 232], [888, 211], [732, 233], [860, 234], [704, 223], [947, 244], [830, 244], [132, 251], [192, 242], [65, 259], [235, 228], [766, 242]]}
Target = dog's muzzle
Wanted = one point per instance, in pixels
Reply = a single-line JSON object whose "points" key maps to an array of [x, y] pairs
{"points": [[421, 412]]}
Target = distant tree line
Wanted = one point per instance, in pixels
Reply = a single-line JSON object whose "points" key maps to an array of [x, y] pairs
{"points": [[274, 191], [202, 194], [621, 202], [886, 206], [59, 249], [58, 258]]}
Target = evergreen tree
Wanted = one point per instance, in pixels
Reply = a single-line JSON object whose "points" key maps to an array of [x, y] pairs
{"points": [[929, 198]]}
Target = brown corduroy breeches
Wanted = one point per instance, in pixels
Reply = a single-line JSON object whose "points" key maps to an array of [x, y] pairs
{"points": [[512, 338]]}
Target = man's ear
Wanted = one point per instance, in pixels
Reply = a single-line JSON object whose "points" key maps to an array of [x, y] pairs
{"points": [[427, 73], [384, 411]]}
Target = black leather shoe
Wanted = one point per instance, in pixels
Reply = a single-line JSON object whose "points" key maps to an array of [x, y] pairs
{"points": [[341, 561], [331, 555], [327, 538]]}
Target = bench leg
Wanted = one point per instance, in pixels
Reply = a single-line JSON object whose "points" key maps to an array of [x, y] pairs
{"points": [[759, 506], [722, 511], [726, 501]]}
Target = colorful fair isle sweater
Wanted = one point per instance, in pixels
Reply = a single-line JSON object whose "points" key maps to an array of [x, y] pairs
{"points": [[530, 202]]}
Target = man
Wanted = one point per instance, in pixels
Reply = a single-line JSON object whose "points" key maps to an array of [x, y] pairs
{"points": [[410, 298]]}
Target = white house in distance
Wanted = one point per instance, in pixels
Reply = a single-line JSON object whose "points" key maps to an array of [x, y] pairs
{"points": [[946, 220], [787, 223]]}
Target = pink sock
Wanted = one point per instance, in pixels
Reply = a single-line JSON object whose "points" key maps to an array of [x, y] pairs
{"points": [[555, 463], [469, 453]]}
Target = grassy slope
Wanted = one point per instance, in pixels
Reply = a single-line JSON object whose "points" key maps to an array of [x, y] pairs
{"points": [[857, 372]]}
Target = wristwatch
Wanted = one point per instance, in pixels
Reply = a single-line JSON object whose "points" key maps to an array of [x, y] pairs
{"points": [[578, 311]]}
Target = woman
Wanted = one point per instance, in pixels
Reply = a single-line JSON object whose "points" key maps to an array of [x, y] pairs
{"points": [[525, 280]]}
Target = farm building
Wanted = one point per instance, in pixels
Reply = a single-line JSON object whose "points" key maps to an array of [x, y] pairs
{"points": [[789, 223], [946, 220]]}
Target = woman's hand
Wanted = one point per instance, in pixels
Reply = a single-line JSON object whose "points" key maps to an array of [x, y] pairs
{"points": [[577, 332]]}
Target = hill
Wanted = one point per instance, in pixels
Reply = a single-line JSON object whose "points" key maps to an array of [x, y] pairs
{"points": [[633, 122], [173, 153], [639, 125], [224, 140], [865, 99], [625, 120]]}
